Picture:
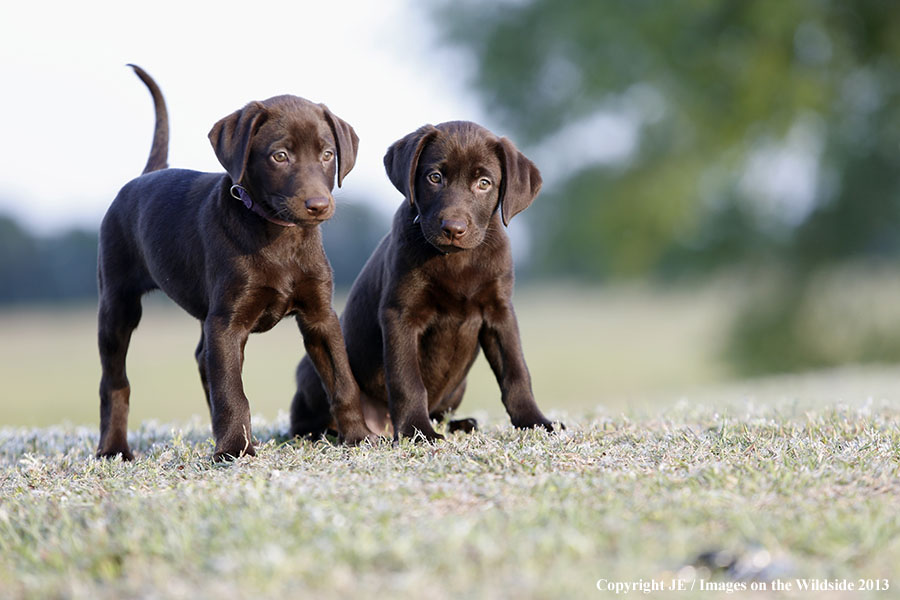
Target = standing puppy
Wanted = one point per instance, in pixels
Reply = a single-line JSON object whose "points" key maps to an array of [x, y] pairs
{"points": [[238, 251], [438, 287]]}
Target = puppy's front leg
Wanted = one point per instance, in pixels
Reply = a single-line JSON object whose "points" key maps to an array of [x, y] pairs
{"points": [[502, 347], [324, 344], [230, 408], [407, 396]]}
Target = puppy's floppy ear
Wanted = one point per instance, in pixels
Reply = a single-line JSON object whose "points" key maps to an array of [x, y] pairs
{"points": [[231, 137], [346, 140], [521, 180], [402, 158]]}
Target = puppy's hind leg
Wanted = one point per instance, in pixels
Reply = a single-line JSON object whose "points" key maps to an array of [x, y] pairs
{"points": [[118, 316], [310, 410], [200, 355]]}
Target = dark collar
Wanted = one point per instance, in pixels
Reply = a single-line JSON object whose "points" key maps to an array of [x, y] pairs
{"points": [[239, 193]]}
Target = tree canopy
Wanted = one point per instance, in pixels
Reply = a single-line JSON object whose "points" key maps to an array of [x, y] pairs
{"points": [[752, 131]]}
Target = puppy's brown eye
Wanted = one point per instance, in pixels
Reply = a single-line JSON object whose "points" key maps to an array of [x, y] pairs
{"points": [[435, 177], [280, 156], [484, 184], [327, 155]]}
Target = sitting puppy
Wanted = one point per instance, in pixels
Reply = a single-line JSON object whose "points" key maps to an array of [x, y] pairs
{"points": [[236, 270], [438, 286]]}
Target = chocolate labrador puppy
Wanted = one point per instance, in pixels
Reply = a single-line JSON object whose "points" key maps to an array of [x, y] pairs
{"points": [[438, 287], [238, 251]]}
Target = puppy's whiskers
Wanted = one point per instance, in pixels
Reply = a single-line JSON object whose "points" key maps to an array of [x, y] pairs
{"points": [[284, 213]]}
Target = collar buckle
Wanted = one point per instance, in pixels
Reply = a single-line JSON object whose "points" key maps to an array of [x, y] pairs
{"points": [[238, 192]]}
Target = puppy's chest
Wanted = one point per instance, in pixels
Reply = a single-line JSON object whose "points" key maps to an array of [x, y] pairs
{"points": [[454, 308], [271, 314], [267, 302]]}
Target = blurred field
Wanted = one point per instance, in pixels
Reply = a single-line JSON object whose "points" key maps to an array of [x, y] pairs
{"points": [[616, 347]]}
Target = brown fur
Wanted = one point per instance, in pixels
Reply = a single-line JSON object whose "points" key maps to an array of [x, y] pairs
{"points": [[436, 290], [182, 231]]}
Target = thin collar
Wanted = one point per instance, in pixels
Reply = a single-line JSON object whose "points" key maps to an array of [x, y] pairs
{"points": [[239, 193]]}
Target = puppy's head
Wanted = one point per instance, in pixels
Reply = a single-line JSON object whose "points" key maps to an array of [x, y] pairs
{"points": [[457, 175], [286, 151]]}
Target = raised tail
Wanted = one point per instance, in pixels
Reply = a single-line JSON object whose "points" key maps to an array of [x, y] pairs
{"points": [[159, 151]]}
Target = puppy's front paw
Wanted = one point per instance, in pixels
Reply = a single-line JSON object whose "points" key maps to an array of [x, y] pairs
{"points": [[358, 435], [124, 452], [428, 437], [228, 455], [230, 447], [539, 421], [423, 433]]}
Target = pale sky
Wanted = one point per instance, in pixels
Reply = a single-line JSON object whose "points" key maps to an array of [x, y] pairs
{"points": [[77, 123]]}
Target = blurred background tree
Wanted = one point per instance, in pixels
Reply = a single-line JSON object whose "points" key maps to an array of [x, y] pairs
{"points": [[63, 267], [694, 138], [681, 142], [58, 268]]}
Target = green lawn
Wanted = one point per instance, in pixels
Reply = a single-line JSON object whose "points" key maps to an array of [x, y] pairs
{"points": [[664, 458], [496, 514]]}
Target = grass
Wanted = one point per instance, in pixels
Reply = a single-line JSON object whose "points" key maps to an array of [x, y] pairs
{"points": [[500, 513], [663, 460]]}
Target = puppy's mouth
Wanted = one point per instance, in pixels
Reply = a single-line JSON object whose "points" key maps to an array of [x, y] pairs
{"points": [[450, 246], [303, 211]]}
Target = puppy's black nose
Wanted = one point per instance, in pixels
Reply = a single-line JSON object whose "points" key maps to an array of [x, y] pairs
{"points": [[453, 228], [316, 206]]}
